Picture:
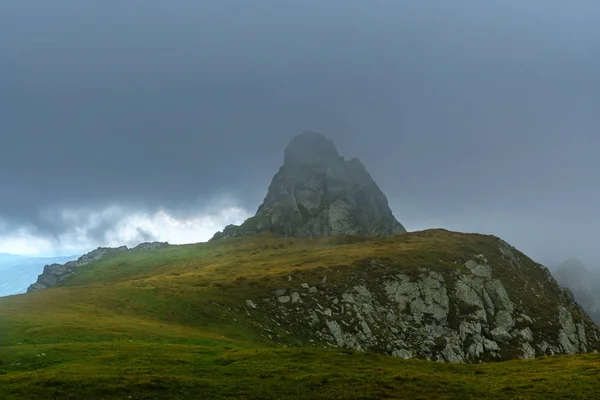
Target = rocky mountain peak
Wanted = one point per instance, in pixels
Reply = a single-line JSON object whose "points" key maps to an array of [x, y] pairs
{"points": [[318, 193]]}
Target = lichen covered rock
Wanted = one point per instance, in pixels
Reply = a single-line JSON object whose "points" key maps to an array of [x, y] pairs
{"points": [[469, 313]]}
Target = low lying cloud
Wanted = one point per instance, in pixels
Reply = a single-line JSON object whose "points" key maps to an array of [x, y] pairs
{"points": [[117, 225]]}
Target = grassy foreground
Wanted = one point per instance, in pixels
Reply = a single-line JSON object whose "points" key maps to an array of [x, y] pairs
{"points": [[218, 370], [213, 370], [164, 325]]}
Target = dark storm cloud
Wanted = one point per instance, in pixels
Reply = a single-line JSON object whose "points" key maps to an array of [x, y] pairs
{"points": [[470, 115]]}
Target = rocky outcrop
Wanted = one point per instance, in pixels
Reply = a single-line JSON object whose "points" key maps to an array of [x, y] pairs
{"points": [[471, 313], [318, 193], [151, 246], [56, 273]]}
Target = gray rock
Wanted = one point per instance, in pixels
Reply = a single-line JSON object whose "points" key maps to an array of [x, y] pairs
{"points": [[581, 336], [499, 296], [528, 351], [318, 193], [313, 318], [428, 296], [250, 304], [403, 353], [490, 345], [526, 334], [419, 316], [151, 246], [336, 331], [53, 274], [417, 308], [522, 318], [453, 353], [504, 320], [482, 270], [363, 291], [490, 308], [567, 346], [348, 298], [509, 254], [467, 291], [402, 291], [500, 335], [565, 320], [568, 336], [475, 349], [296, 298]]}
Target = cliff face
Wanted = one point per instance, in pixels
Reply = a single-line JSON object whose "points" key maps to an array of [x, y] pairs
{"points": [[471, 313], [318, 193], [56, 273]]}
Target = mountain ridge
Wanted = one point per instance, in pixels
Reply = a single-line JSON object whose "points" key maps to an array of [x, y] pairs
{"points": [[55, 273], [433, 294], [296, 294]]}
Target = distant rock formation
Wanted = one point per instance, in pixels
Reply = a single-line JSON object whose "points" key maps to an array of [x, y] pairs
{"points": [[56, 273], [318, 193], [584, 285]]}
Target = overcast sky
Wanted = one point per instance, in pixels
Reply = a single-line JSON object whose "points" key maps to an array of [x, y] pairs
{"points": [[142, 120]]}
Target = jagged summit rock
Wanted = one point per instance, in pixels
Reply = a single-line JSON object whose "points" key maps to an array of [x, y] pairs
{"points": [[318, 193]]}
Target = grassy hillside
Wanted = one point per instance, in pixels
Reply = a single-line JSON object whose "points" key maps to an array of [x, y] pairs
{"points": [[169, 324]]}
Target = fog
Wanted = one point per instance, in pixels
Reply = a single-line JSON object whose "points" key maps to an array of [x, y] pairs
{"points": [[123, 122]]}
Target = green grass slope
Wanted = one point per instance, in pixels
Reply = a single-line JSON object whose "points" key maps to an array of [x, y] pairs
{"points": [[167, 324]]}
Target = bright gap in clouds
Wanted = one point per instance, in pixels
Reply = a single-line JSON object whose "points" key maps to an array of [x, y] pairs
{"points": [[115, 226]]}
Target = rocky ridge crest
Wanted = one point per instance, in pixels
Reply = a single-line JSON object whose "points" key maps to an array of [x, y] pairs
{"points": [[56, 273]]}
